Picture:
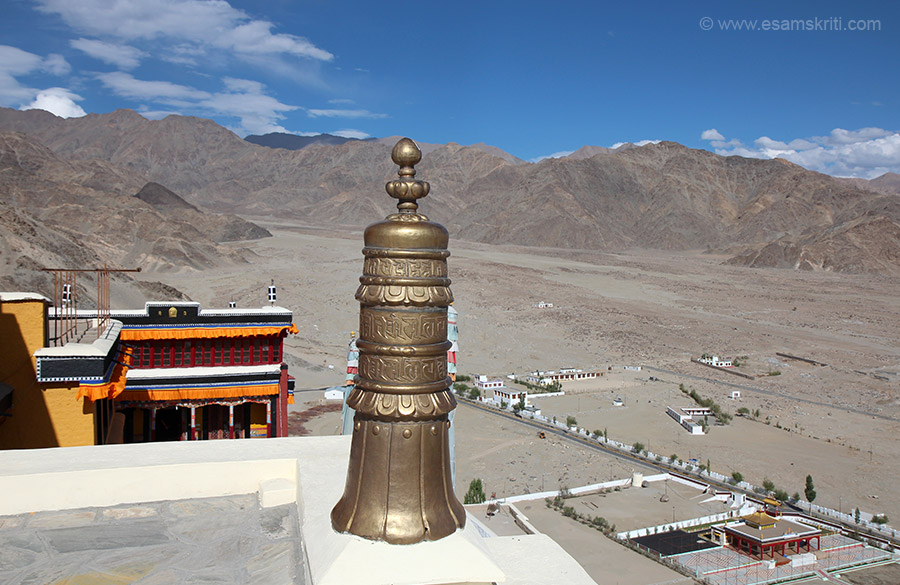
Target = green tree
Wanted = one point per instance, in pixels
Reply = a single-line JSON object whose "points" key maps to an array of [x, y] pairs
{"points": [[856, 515], [475, 495], [637, 447], [810, 489], [781, 495], [737, 476], [880, 519], [570, 421], [768, 485]]}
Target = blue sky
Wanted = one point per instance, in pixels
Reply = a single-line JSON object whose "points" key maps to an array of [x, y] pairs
{"points": [[533, 79]]}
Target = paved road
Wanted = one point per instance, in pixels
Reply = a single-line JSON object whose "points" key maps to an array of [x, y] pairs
{"points": [[773, 393]]}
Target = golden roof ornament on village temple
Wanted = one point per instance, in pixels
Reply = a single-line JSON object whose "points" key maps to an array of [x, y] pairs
{"points": [[399, 488]]}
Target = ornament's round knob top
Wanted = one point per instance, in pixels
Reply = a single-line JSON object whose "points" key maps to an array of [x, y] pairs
{"points": [[406, 153]]}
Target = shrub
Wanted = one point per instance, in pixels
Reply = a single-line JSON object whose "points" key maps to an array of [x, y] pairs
{"points": [[781, 495], [475, 495], [810, 489], [637, 447], [768, 485], [570, 421], [737, 476], [880, 519]]}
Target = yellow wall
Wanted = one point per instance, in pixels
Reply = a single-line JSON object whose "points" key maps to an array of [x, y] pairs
{"points": [[46, 416]]}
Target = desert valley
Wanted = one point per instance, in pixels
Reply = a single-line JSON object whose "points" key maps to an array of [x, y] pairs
{"points": [[650, 256]]}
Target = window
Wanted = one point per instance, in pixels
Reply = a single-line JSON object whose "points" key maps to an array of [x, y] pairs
{"points": [[142, 356], [256, 351], [166, 355], [207, 352]]}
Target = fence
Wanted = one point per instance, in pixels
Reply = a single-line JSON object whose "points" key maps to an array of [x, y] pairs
{"points": [[688, 467]]}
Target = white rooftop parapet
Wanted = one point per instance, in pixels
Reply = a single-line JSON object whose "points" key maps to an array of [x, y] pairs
{"points": [[308, 470]]}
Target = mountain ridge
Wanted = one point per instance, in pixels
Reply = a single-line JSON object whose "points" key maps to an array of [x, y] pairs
{"points": [[665, 195]]}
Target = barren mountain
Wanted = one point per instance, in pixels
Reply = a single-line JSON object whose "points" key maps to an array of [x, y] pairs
{"points": [[888, 183], [218, 227], [63, 213], [664, 196], [293, 141]]}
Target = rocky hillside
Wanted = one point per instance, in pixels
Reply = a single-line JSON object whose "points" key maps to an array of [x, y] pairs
{"points": [[292, 141], [666, 196], [84, 213]]}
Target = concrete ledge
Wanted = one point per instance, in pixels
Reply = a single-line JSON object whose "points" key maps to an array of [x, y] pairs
{"points": [[275, 492], [38, 480]]}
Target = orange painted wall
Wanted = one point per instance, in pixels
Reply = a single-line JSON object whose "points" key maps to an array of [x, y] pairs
{"points": [[42, 416]]}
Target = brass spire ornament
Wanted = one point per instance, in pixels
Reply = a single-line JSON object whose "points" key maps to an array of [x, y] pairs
{"points": [[399, 487]]}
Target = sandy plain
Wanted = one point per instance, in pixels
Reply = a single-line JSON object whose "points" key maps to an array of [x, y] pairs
{"points": [[838, 423]]}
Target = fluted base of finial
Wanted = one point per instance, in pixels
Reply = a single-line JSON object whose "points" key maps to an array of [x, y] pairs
{"points": [[398, 483]]}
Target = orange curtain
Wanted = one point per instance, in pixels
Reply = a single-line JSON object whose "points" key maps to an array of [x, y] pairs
{"points": [[202, 332], [110, 389], [201, 393]]}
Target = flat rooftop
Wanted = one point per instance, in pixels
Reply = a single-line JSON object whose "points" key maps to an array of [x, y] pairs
{"points": [[675, 542], [227, 539], [223, 512], [783, 529]]}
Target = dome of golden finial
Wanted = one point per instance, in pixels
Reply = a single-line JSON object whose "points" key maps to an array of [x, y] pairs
{"points": [[406, 153]]}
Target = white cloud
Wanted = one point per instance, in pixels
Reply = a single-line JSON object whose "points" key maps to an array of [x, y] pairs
{"points": [[711, 134], [866, 153], [560, 154], [313, 113], [638, 143], [213, 24], [15, 62], [256, 37], [340, 101], [122, 56], [58, 101], [56, 65], [245, 99], [125, 85], [841, 136], [350, 133], [156, 114]]}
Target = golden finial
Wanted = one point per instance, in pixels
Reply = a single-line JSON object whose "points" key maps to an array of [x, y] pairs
{"points": [[407, 155], [399, 487]]}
